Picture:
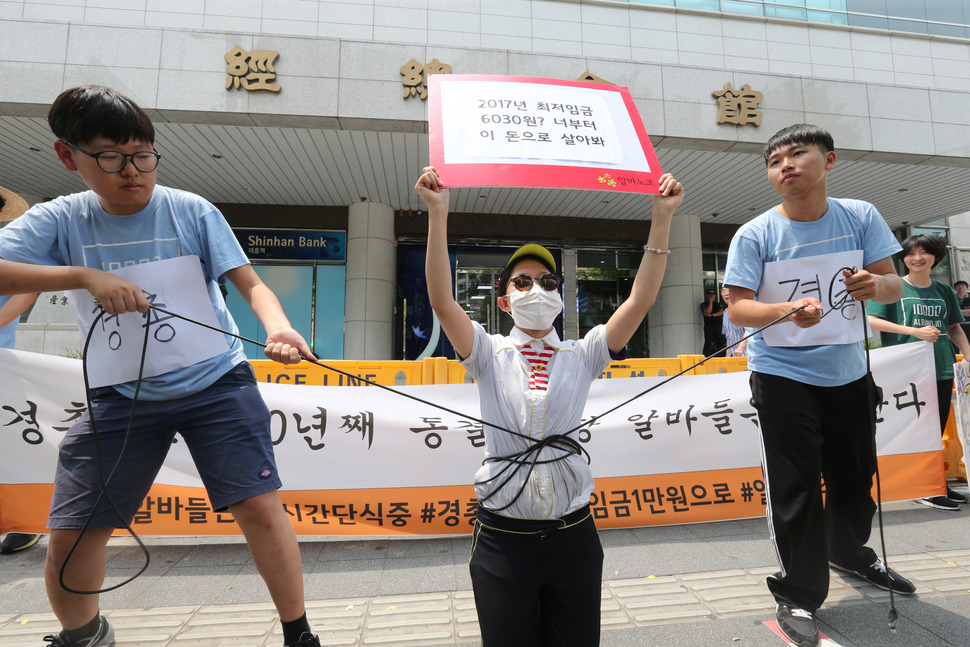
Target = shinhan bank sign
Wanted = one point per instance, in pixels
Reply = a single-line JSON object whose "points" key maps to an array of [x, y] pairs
{"points": [[293, 244]]}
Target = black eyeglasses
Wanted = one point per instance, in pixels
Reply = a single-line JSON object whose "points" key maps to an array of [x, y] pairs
{"points": [[523, 282], [113, 161]]}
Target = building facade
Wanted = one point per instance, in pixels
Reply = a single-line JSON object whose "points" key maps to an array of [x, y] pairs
{"points": [[305, 121]]}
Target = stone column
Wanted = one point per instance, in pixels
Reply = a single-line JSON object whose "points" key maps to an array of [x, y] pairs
{"points": [[371, 282], [570, 318], [960, 240], [674, 324]]}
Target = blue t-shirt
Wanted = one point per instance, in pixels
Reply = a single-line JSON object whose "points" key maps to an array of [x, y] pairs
{"points": [[75, 230], [847, 225], [8, 333]]}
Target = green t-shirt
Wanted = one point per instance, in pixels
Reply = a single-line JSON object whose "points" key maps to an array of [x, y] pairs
{"points": [[935, 306]]}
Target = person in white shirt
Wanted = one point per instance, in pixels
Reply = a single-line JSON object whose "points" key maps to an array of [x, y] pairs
{"points": [[536, 563], [733, 333]]}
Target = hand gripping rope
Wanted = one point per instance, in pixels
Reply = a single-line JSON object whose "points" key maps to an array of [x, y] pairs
{"points": [[529, 457]]}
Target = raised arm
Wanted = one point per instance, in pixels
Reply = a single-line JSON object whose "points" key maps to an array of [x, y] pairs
{"points": [[437, 268], [646, 284]]}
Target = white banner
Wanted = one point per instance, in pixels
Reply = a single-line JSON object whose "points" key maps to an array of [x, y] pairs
{"points": [[365, 438]]}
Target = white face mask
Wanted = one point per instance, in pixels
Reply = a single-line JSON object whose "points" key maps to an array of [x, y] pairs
{"points": [[536, 309]]}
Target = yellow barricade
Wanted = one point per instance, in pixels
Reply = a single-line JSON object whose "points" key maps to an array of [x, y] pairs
{"points": [[389, 373], [437, 369], [440, 370], [688, 361], [650, 367], [953, 452], [722, 365], [952, 448], [455, 373]]}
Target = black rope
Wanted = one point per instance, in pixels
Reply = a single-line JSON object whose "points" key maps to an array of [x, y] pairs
{"points": [[893, 615], [106, 480], [357, 378], [836, 306], [528, 457], [871, 390], [517, 461]]}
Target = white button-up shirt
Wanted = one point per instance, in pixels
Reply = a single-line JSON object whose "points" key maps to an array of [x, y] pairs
{"points": [[551, 489]]}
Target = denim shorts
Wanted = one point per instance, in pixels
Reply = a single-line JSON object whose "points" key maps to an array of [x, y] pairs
{"points": [[226, 428]]}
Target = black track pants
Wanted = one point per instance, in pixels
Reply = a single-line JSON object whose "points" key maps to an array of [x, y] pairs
{"points": [[807, 433]]}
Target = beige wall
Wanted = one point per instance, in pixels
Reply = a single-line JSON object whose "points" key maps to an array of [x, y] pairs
{"points": [[881, 91]]}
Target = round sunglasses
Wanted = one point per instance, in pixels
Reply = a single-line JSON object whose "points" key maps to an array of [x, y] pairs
{"points": [[523, 282]]}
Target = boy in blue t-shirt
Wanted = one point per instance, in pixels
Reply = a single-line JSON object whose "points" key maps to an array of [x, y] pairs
{"points": [[808, 381], [67, 244]]}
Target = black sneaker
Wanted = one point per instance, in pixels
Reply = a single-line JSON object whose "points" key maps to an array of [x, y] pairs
{"points": [[798, 625], [103, 637], [940, 503], [15, 541], [953, 495], [307, 639], [879, 576]]}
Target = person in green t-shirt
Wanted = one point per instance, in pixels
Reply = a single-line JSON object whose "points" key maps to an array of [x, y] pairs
{"points": [[928, 311]]}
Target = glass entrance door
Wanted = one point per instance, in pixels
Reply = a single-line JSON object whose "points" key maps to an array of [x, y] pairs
{"points": [[477, 289], [312, 296]]}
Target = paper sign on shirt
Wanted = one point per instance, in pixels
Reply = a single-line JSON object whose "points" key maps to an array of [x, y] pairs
{"points": [[520, 131], [175, 284], [819, 277]]}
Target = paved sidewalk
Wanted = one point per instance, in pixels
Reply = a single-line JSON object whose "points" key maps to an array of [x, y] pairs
{"points": [[699, 585]]}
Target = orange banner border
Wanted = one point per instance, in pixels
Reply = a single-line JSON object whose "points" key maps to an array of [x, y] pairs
{"points": [[617, 502]]}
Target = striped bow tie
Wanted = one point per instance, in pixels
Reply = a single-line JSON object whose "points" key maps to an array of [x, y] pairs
{"points": [[538, 366]]}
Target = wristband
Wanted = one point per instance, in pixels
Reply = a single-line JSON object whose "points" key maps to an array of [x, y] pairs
{"points": [[647, 248]]}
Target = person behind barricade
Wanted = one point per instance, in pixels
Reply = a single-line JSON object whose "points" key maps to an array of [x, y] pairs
{"points": [[928, 311], [733, 333], [712, 311], [963, 296], [66, 244], [809, 379], [536, 563]]}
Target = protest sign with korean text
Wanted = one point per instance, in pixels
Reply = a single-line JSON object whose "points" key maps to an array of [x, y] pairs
{"points": [[530, 132]]}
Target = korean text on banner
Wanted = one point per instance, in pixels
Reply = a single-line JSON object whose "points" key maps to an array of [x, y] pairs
{"points": [[529, 132], [363, 461]]}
